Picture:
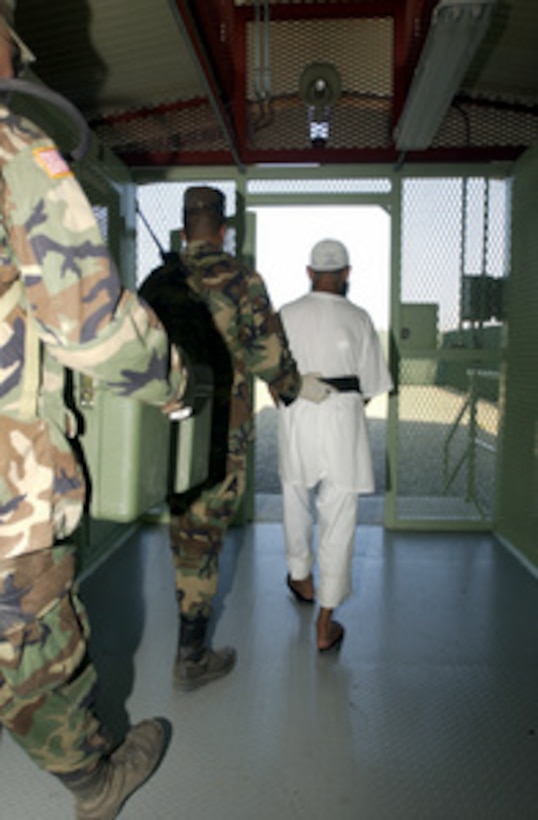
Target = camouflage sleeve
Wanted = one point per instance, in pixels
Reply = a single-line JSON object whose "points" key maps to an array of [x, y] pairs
{"points": [[85, 317], [266, 349]]}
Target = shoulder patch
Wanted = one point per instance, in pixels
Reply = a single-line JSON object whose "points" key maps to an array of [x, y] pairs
{"points": [[52, 162]]}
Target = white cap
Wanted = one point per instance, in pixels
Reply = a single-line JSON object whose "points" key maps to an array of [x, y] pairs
{"points": [[329, 255]]}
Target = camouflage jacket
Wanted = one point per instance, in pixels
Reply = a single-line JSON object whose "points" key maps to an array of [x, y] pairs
{"points": [[52, 252], [253, 333]]}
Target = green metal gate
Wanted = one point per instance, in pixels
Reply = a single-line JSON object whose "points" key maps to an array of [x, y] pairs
{"points": [[450, 266], [449, 263]]}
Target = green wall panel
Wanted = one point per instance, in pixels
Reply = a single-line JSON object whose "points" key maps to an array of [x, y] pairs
{"points": [[518, 497]]}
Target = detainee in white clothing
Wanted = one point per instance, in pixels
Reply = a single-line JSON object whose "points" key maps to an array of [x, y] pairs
{"points": [[325, 446]]}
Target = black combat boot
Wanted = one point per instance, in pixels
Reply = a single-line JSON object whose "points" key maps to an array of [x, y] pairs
{"points": [[101, 793], [195, 664]]}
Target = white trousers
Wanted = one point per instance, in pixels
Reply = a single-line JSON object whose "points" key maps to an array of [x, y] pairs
{"points": [[336, 519]]}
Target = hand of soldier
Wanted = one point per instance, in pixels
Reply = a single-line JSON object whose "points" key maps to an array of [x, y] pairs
{"points": [[180, 407], [176, 410], [313, 389], [179, 413]]}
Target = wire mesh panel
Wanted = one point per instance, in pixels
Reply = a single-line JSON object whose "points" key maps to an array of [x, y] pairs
{"points": [[453, 270], [447, 445], [359, 50], [475, 123], [336, 185], [168, 129]]}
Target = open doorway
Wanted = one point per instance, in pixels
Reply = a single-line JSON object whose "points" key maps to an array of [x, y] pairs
{"points": [[284, 238]]}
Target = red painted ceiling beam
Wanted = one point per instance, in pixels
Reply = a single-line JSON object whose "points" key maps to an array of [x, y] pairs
{"points": [[221, 28], [216, 26], [326, 156], [194, 37], [326, 11]]}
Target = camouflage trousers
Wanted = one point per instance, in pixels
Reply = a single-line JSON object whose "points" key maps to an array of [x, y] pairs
{"points": [[196, 538], [47, 683]]}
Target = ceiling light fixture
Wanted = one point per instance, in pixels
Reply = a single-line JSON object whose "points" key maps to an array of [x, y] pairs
{"points": [[320, 87], [456, 31]]}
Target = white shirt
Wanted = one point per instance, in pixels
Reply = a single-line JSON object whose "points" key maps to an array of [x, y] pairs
{"points": [[332, 336]]}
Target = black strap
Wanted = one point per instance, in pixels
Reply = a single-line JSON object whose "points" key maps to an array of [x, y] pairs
{"points": [[344, 384]]}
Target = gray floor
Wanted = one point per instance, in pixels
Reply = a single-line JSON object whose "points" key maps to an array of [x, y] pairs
{"points": [[429, 712]]}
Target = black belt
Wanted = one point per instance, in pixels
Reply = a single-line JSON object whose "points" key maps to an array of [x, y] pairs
{"points": [[344, 384]]}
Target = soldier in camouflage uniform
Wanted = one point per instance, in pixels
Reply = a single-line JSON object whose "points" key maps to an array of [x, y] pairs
{"points": [[61, 305], [252, 342]]}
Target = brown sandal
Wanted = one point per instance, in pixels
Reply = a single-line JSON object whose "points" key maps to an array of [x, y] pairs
{"points": [[298, 595], [336, 643]]}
